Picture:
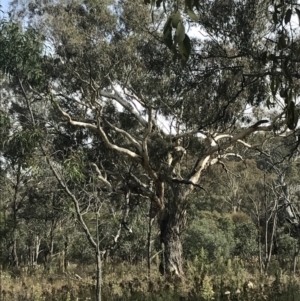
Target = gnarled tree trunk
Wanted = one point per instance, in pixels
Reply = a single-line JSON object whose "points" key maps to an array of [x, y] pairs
{"points": [[171, 225]]}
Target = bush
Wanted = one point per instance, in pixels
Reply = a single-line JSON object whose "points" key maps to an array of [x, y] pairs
{"points": [[245, 236], [212, 232]]}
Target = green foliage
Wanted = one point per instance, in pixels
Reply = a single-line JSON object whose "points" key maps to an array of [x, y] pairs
{"points": [[74, 166], [207, 292], [221, 236], [175, 20], [21, 52], [4, 127], [80, 251], [180, 37], [286, 243], [185, 48], [245, 235], [22, 145], [213, 233]]}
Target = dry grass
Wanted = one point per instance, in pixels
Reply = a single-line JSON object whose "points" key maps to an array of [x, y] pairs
{"points": [[131, 282]]}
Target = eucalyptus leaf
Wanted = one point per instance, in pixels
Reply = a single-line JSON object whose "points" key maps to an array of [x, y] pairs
{"points": [[264, 57], [189, 4], [185, 48], [167, 24], [291, 115], [168, 37], [275, 18], [192, 15], [176, 18], [281, 42], [288, 15], [180, 33]]}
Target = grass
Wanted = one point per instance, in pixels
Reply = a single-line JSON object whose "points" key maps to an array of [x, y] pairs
{"points": [[131, 282]]}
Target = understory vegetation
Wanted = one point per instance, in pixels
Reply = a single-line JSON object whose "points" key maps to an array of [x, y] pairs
{"points": [[219, 280]]}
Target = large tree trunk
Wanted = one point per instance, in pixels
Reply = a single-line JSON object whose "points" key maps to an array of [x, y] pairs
{"points": [[171, 225]]}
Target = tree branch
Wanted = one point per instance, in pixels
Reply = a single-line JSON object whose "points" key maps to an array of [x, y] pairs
{"points": [[202, 162], [125, 134], [183, 181], [101, 132], [73, 198], [125, 104], [101, 178]]}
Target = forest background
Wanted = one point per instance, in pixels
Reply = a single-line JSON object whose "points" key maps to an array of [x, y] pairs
{"points": [[140, 161]]}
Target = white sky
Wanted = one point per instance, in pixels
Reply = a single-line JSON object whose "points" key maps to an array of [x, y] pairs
{"points": [[4, 4]]}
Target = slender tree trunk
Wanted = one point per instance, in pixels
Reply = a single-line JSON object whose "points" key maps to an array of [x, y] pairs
{"points": [[15, 218], [66, 246], [98, 258], [14, 251], [149, 244], [296, 253], [37, 249], [98, 275], [62, 261], [49, 254], [1, 294], [268, 259], [260, 259]]}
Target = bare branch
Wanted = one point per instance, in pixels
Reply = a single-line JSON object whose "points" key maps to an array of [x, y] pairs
{"points": [[226, 169], [139, 187], [175, 156], [101, 132], [123, 223], [27, 101], [224, 156], [101, 178], [126, 134], [183, 181], [244, 133], [119, 149], [76, 123], [83, 80], [185, 134], [75, 100], [124, 104], [149, 128], [146, 160], [244, 143], [202, 162], [135, 98]]}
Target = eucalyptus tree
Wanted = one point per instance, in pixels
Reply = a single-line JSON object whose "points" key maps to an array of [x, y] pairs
{"points": [[282, 212], [155, 118]]}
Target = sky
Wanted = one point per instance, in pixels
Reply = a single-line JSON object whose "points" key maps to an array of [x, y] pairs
{"points": [[4, 4]]}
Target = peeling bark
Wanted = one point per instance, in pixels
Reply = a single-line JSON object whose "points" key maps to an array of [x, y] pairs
{"points": [[172, 248], [171, 226]]}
